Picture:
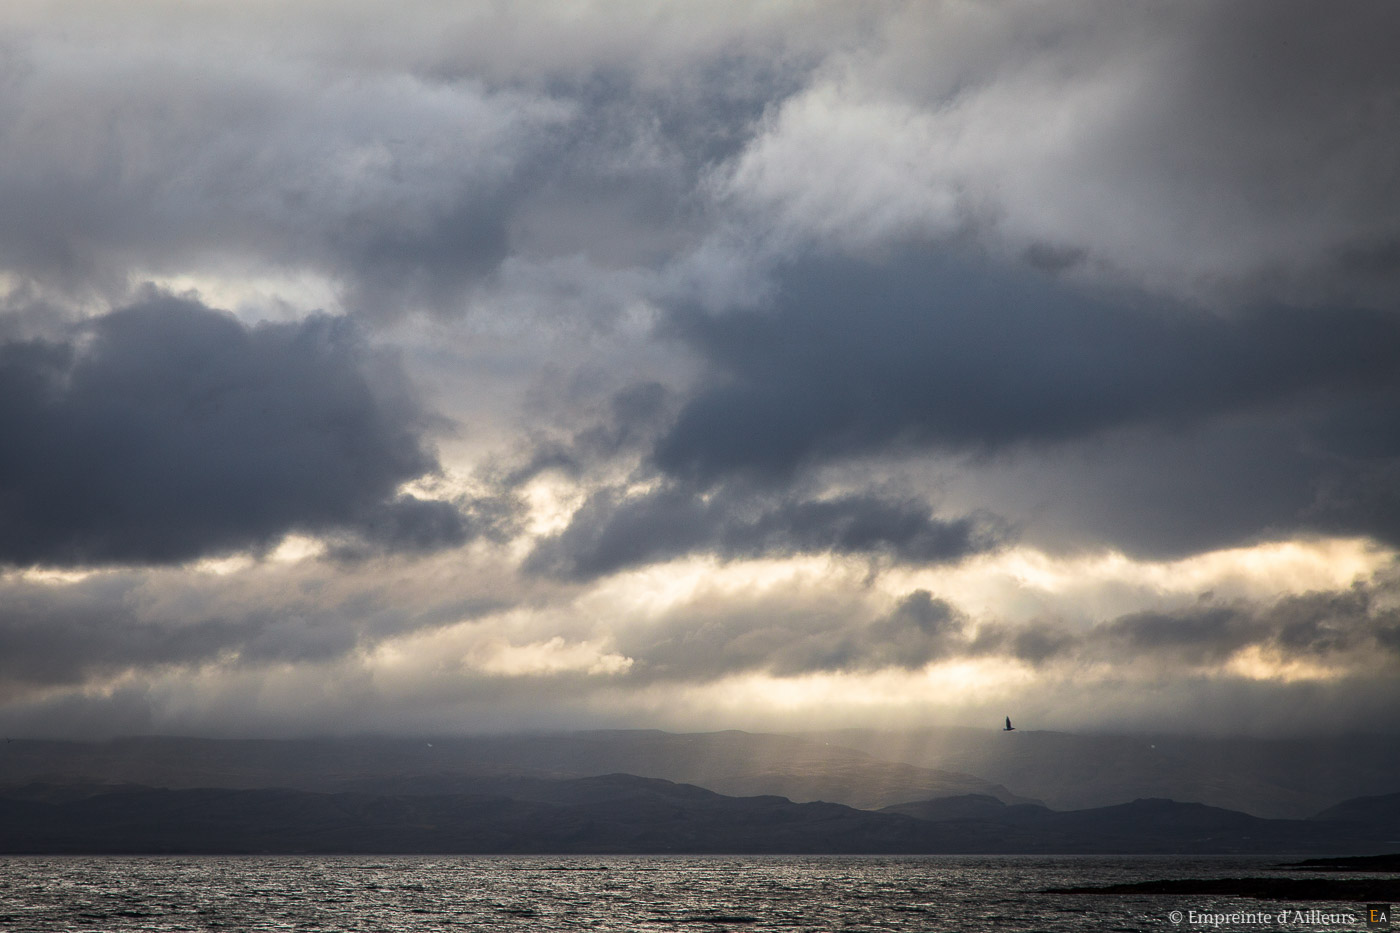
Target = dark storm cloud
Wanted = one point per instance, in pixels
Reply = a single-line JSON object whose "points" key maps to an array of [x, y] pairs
{"points": [[611, 532], [614, 530], [861, 358], [856, 356], [165, 431]]}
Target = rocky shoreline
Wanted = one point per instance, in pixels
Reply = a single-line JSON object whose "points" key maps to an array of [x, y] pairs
{"points": [[1289, 889]]}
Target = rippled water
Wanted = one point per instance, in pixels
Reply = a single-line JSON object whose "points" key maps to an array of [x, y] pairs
{"points": [[692, 894]]}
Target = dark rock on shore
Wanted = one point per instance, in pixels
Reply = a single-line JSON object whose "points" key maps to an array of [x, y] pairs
{"points": [[1370, 863], [1281, 889]]}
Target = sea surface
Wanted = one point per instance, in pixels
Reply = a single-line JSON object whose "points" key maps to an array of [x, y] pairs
{"points": [[310, 894]]}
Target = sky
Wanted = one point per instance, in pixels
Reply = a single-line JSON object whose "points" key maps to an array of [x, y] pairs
{"points": [[438, 367]]}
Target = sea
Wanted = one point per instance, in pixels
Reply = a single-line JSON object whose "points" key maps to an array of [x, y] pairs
{"points": [[310, 894]]}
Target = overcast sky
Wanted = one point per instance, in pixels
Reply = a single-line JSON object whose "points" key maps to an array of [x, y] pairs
{"points": [[461, 367]]}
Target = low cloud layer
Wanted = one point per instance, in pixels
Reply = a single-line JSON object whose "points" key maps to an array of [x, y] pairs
{"points": [[1310, 628], [790, 636], [612, 532], [1316, 635]]}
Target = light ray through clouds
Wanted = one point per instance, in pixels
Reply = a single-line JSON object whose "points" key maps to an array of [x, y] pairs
{"points": [[712, 365]]}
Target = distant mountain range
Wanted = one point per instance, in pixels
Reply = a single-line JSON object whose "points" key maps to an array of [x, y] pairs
{"points": [[1164, 825], [1292, 778], [594, 792], [623, 814], [734, 763]]}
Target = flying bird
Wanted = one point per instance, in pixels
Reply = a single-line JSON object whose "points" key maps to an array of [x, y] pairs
{"points": [[1009, 727]]}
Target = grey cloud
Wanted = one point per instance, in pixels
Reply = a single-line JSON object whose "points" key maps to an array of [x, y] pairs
{"points": [[790, 636], [1048, 257], [405, 177], [412, 524], [58, 644], [409, 525], [623, 184], [1309, 626], [71, 634], [1035, 642], [856, 356], [611, 532], [165, 431], [635, 415], [1207, 635], [926, 352], [1319, 624], [1161, 493], [1291, 117], [181, 159], [922, 628], [392, 266], [1227, 150]]}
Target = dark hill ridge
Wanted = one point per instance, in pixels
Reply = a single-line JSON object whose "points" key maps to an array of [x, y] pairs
{"points": [[619, 814], [1270, 777], [734, 763], [965, 807], [1168, 825], [1380, 813], [1282, 890], [1389, 863], [612, 813]]}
